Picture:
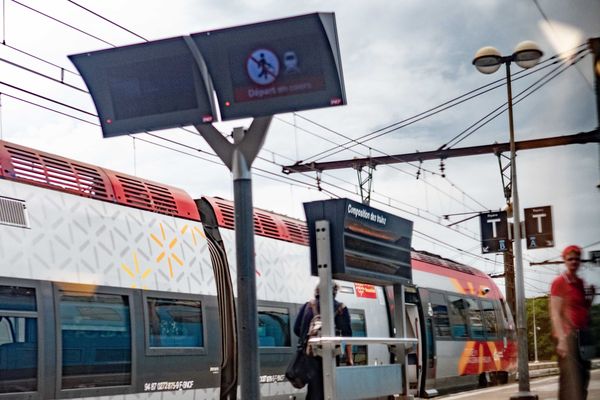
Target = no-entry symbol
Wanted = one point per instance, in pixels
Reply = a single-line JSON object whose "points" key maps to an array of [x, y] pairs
{"points": [[262, 66]]}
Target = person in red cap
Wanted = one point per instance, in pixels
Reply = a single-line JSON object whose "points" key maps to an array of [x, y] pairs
{"points": [[569, 311]]}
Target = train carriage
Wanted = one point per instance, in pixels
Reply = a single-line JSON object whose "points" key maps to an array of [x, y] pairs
{"points": [[112, 286]]}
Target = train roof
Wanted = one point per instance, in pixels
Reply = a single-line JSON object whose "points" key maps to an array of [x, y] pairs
{"points": [[440, 261], [27, 165], [266, 223]]}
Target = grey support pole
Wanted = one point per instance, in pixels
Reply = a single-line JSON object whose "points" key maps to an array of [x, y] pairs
{"points": [[246, 273], [238, 157], [324, 266]]}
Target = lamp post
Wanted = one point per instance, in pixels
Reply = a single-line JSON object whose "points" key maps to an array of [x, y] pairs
{"points": [[488, 60]]}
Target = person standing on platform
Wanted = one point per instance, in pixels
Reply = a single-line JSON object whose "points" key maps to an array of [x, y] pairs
{"points": [[342, 328], [570, 303]]}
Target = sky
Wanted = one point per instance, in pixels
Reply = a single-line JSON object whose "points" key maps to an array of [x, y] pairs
{"points": [[399, 59]]}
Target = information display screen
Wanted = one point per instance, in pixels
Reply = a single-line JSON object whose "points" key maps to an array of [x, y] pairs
{"points": [[367, 245], [275, 66], [147, 86]]}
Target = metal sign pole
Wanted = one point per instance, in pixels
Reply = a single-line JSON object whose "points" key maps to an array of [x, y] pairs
{"points": [[238, 157], [400, 328], [326, 307]]}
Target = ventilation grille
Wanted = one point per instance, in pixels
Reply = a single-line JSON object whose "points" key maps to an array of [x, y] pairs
{"points": [[45, 169], [226, 216], [265, 223], [26, 165], [13, 212], [297, 230], [138, 193]]}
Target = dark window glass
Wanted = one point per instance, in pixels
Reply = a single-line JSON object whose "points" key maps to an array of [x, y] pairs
{"points": [[18, 354], [359, 329], [273, 327], [17, 298], [458, 316], [96, 340], [430, 350], [175, 323], [475, 321], [490, 322], [440, 314], [18, 340]]}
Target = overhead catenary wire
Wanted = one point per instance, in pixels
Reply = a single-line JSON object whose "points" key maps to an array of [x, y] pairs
{"points": [[113, 23], [432, 111], [262, 173], [62, 23], [551, 25], [522, 95], [141, 37], [106, 19], [404, 172], [416, 214], [420, 212]]}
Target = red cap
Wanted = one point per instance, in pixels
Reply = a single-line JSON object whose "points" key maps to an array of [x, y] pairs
{"points": [[571, 249]]}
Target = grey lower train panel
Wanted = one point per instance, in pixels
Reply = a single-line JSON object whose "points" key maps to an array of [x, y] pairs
{"points": [[368, 381]]}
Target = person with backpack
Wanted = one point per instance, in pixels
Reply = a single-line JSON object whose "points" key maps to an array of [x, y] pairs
{"points": [[570, 304], [306, 326]]}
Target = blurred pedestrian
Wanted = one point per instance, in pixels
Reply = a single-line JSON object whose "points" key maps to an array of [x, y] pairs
{"points": [[303, 326], [570, 303]]}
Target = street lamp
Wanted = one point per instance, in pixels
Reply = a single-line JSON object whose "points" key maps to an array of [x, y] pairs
{"points": [[488, 60]]}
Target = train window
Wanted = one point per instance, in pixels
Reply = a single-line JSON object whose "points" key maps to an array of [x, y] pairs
{"points": [[458, 316], [475, 322], [440, 314], [96, 340], [273, 327], [490, 323], [359, 329], [507, 317], [175, 322], [17, 298], [18, 340]]}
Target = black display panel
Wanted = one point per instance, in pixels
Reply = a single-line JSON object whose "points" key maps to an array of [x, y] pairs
{"points": [[148, 86], [276, 66], [367, 244]]}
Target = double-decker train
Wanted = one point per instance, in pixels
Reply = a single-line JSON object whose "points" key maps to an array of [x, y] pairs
{"points": [[115, 287]]}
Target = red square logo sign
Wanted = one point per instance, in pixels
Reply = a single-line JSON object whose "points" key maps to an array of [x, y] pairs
{"points": [[365, 290]]}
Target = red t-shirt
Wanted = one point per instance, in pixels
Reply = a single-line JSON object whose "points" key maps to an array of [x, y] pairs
{"points": [[571, 291]]}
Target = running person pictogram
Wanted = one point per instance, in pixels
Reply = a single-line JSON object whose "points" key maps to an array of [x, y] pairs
{"points": [[262, 66]]}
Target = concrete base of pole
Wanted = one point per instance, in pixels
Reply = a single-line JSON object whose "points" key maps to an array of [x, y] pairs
{"points": [[524, 396]]}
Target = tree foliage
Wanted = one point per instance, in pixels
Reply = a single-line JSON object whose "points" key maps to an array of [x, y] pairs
{"points": [[545, 341]]}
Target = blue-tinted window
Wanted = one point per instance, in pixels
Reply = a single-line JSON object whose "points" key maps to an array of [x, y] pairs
{"points": [[18, 340], [475, 321], [17, 298], [359, 329], [458, 316], [273, 327], [440, 314], [175, 323], [96, 340], [490, 323]]}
